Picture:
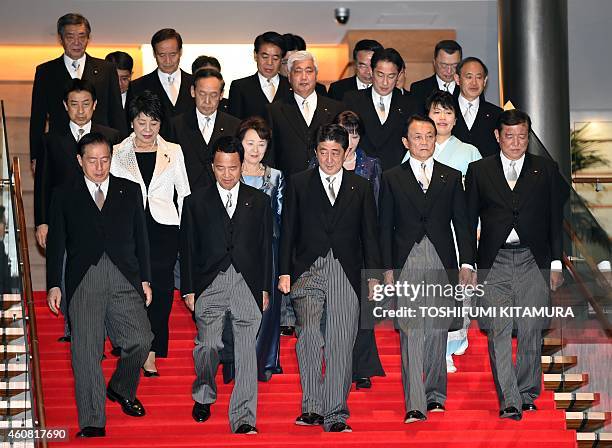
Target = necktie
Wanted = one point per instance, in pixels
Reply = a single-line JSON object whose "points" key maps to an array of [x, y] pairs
{"points": [[446, 86], [330, 188], [469, 115], [80, 136], [76, 66], [424, 180], [306, 110], [207, 130], [228, 203], [173, 89], [99, 197], [271, 90], [512, 175], [382, 113]]}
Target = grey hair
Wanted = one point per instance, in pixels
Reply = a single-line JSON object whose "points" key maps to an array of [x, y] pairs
{"points": [[301, 56]]}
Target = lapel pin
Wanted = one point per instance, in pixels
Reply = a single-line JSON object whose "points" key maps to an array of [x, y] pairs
{"points": [[221, 129], [535, 171], [167, 158], [352, 187], [95, 71]]}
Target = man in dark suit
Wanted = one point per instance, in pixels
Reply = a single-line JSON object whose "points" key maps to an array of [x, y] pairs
{"points": [[99, 221], [447, 56], [294, 43], [477, 118], [362, 57], [125, 69], [52, 77], [517, 197], [226, 261], [419, 201], [294, 120], [383, 109], [169, 82], [329, 233], [210, 62], [249, 96], [197, 130]]}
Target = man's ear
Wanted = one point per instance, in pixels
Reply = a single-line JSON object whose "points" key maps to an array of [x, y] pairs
{"points": [[95, 104], [65, 105], [496, 132], [192, 90], [80, 160], [405, 143]]}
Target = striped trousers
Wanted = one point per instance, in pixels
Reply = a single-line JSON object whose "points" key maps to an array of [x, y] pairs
{"points": [[227, 292], [327, 316], [105, 299]]}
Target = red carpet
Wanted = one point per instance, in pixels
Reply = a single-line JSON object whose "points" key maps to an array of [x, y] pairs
{"points": [[376, 415]]}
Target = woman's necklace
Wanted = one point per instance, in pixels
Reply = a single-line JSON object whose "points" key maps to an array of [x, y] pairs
{"points": [[149, 149], [259, 171]]}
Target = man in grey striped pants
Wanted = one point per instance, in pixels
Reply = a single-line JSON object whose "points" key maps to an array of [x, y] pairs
{"points": [[329, 233]]}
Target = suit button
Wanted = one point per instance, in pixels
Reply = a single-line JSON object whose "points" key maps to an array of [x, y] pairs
{"points": [[515, 213]]}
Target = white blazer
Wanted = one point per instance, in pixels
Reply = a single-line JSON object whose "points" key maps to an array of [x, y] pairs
{"points": [[169, 174]]}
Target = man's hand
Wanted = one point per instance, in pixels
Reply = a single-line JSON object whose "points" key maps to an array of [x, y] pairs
{"points": [[371, 285], [146, 287], [266, 300], [388, 277], [54, 298], [284, 284], [190, 301], [41, 235], [556, 280], [467, 276]]}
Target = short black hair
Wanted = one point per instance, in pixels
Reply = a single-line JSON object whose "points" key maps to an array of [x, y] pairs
{"points": [[472, 59], [350, 121], [204, 61], [257, 124], [121, 59], [204, 73], [270, 37], [440, 98], [72, 19], [449, 47], [228, 145], [366, 45], [293, 42], [147, 103], [416, 118], [513, 117], [388, 55], [79, 85], [91, 139], [333, 133], [165, 34]]}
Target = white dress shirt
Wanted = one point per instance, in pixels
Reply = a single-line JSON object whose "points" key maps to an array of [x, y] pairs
{"points": [[416, 168], [312, 106], [223, 193], [336, 182], [361, 85], [92, 187], [165, 82], [441, 83], [68, 63], [206, 131], [386, 101], [513, 236], [464, 105], [265, 85], [74, 128]]}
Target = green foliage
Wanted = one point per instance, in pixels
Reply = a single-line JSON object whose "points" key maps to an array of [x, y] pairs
{"points": [[583, 153]]}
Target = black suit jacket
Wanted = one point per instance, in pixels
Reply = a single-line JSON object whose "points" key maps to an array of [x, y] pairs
{"points": [[57, 165], [85, 233], [407, 215], [292, 139], [184, 102], [421, 90], [533, 208], [211, 241], [311, 226], [48, 95], [481, 135], [184, 131], [383, 140], [338, 89], [246, 99]]}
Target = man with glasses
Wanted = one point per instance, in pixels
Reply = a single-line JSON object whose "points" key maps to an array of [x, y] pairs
{"points": [[362, 55]]}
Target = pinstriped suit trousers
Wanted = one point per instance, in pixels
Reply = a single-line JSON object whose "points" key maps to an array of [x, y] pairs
{"points": [[105, 299], [228, 291], [327, 316], [423, 340]]}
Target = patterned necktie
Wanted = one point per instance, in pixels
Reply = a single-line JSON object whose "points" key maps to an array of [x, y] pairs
{"points": [[382, 113], [76, 66], [173, 89], [306, 110], [80, 136], [424, 180], [207, 130], [228, 203], [469, 115], [330, 188], [271, 90], [99, 197], [446, 84], [512, 175]]}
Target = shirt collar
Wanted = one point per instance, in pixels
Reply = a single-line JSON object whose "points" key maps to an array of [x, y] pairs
{"points": [[68, 61], [518, 164], [74, 128], [463, 103], [92, 186], [416, 164], [386, 99], [264, 81], [223, 192], [338, 176], [163, 77], [361, 85], [202, 118], [441, 82], [312, 99]]}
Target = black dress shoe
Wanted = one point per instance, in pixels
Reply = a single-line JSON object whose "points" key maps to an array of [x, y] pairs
{"points": [[529, 407], [116, 351], [309, 419], [91, 431], [363, 383], [66, 339], [133, 408], [434, 406], [149, 373], [246, 429], [287, 331], [228, 372], [414, 416], [200, 412], [510, 412], [340, 427]]}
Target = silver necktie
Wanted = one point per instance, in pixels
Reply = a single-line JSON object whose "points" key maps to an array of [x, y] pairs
{"points": [[80, 136], [228, 203], [99, 197], [330, 188], [424, 180], [512, 175], [76, 65]]}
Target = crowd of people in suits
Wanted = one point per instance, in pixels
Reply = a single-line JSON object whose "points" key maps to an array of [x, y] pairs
{"points": [[266, 209]]}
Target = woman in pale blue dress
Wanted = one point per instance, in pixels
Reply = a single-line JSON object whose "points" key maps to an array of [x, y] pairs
{"points": [[452, 152], [255, 135]]}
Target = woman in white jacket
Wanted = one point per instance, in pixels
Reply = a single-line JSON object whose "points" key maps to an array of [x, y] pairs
{"points": [[159, 168]]}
